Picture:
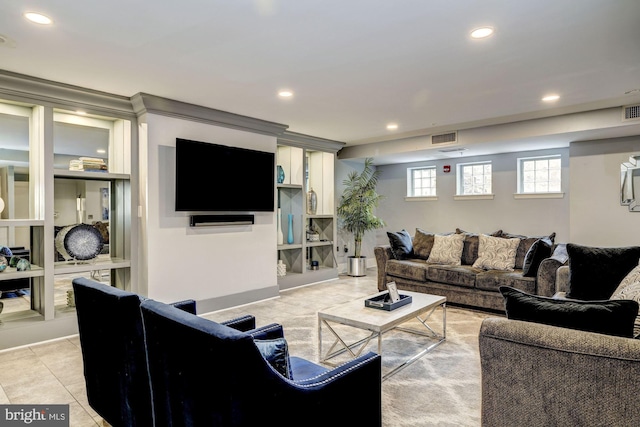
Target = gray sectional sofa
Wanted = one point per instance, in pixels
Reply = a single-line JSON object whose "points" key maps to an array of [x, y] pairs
{"points": [[464, 284]]}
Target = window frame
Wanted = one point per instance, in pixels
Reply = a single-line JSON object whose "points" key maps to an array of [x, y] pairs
{"points": [[520, 176], [460, 181], [410, 182]]}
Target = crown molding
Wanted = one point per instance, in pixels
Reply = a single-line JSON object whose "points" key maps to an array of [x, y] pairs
{"points": [[310, 142], [145, 103], [28, 89]]}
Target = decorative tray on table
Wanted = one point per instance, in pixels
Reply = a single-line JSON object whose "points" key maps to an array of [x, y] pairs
{"points": [[383, 302]]}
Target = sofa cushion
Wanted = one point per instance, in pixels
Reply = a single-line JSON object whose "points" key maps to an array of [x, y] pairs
{"points": [[422, 243], [413, 269], [447, 249], [595, 273], [460, 275], [401, 245], [604, 317], [629, 289], [525, 244], [540, 250], [492, 280], [496, 253]]}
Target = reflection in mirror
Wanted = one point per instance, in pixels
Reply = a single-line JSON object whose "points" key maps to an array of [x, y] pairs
{"points": [[630, 183]]}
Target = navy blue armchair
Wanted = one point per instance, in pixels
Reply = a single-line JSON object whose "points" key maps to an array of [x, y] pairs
{"points": [[207, 374], [114, 352]]}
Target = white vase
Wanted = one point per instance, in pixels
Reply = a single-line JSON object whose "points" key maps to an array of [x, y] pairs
{"points": [[280, 233]]}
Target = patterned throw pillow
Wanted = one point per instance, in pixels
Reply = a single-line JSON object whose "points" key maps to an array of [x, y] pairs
{"points": [[422, 243], [629, 289], [496, 253], [447, 250]]}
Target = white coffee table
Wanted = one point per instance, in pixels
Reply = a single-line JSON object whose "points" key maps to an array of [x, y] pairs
{"points": [[378, 322]]}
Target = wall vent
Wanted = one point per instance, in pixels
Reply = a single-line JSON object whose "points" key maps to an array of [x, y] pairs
{"points": [[631, 112], [444, 138]]}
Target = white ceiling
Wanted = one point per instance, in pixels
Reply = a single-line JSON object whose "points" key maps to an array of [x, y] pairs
{"points": [[354, 65]]}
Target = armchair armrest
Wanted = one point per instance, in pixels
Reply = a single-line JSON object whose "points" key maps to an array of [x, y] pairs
{"points": [[242, 324], [546, 278], [267, 332], [188, 305], [383, 254]]}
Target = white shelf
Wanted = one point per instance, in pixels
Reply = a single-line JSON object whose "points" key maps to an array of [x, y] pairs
{"points": [[21, 222], [315, 244], [66, 267], [291, 246], [11, 273], [100, 176]]}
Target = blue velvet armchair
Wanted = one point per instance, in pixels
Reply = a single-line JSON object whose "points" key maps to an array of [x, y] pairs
{"points": [[114, 353], [207, 374]]}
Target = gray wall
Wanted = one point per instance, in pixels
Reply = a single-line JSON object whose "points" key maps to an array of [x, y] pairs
{"points": [[521, 216]]}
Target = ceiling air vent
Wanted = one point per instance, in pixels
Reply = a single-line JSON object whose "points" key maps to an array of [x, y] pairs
{"points": [[444, 138], [631, 112]]}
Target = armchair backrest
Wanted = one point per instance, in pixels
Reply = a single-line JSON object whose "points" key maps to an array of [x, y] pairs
{"points": [[205, 373], [113, 353]]}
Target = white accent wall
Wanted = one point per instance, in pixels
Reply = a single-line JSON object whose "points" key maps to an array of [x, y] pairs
{"points": [[203, 263], [597, 217]]}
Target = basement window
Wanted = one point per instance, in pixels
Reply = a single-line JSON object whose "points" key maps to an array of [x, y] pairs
{"points": [[539, 175], [421, 182], [474, 179]]}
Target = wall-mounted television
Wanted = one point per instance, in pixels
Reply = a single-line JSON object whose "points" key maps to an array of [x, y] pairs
{"points": [[213, 177]]}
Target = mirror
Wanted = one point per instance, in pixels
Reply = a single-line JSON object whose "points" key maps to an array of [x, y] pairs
{"points": [[630, 183]]}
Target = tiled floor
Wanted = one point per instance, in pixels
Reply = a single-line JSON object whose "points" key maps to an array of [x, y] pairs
{"points": [[51, 372]]}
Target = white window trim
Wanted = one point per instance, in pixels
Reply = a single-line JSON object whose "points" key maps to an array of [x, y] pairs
{"points": [[474, 196], [459, 195], [544, 195], [409, 185], [550, 195], [421, 198]]}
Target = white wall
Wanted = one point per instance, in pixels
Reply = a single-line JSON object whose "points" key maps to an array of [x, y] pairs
{"points": [[597, 218], [202, 263], [520, 216]]}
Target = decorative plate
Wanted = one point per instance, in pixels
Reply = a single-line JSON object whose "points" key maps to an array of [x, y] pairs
{"points": [[81, 242]]}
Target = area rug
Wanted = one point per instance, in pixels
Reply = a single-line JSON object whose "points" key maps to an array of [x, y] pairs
{"points": [[440, 389]]}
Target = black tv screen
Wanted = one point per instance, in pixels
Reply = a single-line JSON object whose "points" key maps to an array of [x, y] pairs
{"points": [[212, 177]]}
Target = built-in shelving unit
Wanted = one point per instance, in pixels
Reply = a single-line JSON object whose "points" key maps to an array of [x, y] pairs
{"points": [[41, 194], [310, 258]]}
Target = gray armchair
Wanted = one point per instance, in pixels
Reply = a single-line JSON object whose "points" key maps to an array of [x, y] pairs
{"points": [[541, 375]]}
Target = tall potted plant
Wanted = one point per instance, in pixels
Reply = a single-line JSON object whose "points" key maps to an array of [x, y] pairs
{"points": [[355, 211]]}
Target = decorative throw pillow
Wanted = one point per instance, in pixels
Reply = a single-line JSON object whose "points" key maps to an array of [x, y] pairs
{"points": [[471, 242], [603, 317], [629, 289], [422, 243], [447, 250], [401, 245], [540, 250], [496, 253], [276, 352], [595, 273], [525, 244]]}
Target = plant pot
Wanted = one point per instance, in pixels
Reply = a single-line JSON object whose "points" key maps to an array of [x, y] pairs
{"points": [[357, 266]]}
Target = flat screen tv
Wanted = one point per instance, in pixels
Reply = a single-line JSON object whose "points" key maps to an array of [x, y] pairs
{"points": [[212, 177]]}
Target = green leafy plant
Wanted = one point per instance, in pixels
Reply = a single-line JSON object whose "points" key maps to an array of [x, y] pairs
{"points": [[357, 203]]}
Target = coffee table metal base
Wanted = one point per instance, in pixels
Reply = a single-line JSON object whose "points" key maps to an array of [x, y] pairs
{"points": [[361, 344]]}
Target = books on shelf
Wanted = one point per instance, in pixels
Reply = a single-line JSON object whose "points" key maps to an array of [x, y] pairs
{"points": [[88, 164]]}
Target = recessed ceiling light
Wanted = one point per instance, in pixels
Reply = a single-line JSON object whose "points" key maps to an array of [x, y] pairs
{"points": [[38, 18], [285, 94], [392, 126], [101, 151], [482, 32], [550, 98]]}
